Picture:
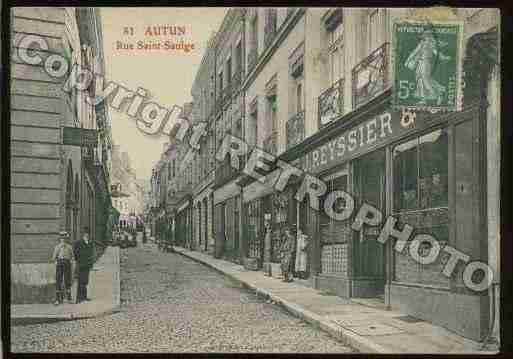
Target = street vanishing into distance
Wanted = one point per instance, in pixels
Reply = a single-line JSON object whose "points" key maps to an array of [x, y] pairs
{"points": [[170, 303]]}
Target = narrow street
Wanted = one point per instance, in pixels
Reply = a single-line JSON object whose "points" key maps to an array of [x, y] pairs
{"points": [[173, 304]]}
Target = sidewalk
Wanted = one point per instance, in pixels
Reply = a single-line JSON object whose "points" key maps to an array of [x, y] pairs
{"points": [[365, 328], [103, 289]]}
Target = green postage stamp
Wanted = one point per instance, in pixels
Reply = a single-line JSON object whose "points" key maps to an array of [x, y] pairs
{"points": [[427, 62]]}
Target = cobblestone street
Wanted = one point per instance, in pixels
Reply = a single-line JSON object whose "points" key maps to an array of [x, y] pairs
{"points": [[173, 304]]}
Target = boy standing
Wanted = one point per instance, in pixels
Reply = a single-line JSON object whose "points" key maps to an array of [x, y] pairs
{"points": [[62, 256]]}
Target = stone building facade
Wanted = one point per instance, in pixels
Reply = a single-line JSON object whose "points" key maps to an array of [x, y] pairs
{"points": [[228, 116], [203, 110], [54, 187], [172, 182], [128, 194], [313, 78]]}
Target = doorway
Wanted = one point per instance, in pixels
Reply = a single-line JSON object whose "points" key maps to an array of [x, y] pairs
{"points": [[368, 254]]}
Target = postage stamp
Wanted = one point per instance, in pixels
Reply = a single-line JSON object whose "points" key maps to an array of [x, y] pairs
{"points": [[427, 63]]}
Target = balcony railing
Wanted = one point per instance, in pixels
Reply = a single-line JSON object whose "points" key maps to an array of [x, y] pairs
{"points": [[270, 27], [270, 143], [331, 103], [252, 58], [295, 129], [370, 77]]}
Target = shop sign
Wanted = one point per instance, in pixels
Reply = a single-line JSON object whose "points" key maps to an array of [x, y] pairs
{"points": [[83, 137], [368, 135], [427, 64]]}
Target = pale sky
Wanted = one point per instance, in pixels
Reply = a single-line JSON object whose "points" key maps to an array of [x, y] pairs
{"points": [[167, 75]]}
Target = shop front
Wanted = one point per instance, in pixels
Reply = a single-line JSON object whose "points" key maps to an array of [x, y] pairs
{"points": [[227, 222], [425, 170], [267, 214], [203, 197], [183, 225]]}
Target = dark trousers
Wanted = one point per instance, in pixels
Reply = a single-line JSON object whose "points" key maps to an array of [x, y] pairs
{"points": [[82, 282], [63, 278]]}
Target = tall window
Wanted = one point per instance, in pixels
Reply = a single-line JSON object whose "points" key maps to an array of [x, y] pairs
{"points": [[271, 110], [220, 81], [254, 122], [376, 28], [252, 136], [238, 128], [254, 33], [335, 30], [420, 172], [332, 231], [299, 96], [270, 26], [73, 93], [373, 29], [238, 57], [228, 71]]}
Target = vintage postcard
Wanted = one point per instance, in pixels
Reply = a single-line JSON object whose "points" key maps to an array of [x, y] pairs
{"points": [[254, 179]]}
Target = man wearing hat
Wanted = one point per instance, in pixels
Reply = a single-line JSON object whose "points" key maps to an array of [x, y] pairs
{"points": [[62, 256], [84, 252]]}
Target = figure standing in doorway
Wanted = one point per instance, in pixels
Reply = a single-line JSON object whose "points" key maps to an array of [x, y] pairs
{"points": [[287, 251], [301, 254]]}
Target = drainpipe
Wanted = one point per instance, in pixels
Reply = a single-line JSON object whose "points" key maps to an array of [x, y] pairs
{"points": [[242, 239], [388, 246]]}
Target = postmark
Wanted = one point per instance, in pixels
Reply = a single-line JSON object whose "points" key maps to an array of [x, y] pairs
{"points": [[427, 64]]}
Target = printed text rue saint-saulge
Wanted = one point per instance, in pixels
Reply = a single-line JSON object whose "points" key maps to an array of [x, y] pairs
{"points": [[161, 37]]}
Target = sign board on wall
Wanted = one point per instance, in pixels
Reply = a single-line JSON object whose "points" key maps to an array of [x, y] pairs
{"points": [[82, 137], [366, 136]]}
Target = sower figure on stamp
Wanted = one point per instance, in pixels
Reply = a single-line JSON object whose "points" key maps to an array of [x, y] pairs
{"points": [[286, 252], [84, 252], [63, 256], [422, 60]]}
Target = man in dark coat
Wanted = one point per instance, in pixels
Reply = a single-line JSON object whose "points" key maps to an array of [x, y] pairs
{"points": [[83, 250]]}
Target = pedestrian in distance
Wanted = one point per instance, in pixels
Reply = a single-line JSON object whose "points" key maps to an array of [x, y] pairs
{"points": [[287, 251], [84, 252], [301, 254], [63, 257]]}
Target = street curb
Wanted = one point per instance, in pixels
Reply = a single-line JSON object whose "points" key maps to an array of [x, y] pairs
{"points": [[117, 281], [50, 318], [36, 319], [345, 336]]}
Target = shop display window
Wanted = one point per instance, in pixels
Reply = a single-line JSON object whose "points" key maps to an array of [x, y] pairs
{"points": [[420, 172]]}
